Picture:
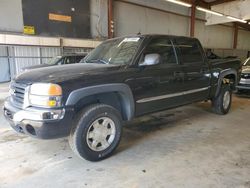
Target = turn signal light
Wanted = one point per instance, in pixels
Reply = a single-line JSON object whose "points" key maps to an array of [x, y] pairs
{"points": [[55, 90]]}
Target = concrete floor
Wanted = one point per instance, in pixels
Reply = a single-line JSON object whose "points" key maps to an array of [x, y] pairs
{"points": [[185, 147]]}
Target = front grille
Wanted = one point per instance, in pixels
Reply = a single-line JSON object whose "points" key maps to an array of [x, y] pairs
{"points": [[17, 91], [246, 76]]}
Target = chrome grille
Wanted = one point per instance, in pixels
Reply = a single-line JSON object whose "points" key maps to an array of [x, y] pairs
{"points": [[17, 91]]}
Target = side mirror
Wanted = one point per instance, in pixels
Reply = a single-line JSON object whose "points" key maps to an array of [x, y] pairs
{"points": [[151, 59]]}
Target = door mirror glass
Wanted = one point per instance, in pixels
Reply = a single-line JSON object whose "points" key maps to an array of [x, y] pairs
{"points": [[151, 59]]}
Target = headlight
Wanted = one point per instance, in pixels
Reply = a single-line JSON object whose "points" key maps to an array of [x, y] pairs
{"points": [[45, 95]]}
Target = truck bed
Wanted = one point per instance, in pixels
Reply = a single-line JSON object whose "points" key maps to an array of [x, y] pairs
{"points": [[226, 63]]}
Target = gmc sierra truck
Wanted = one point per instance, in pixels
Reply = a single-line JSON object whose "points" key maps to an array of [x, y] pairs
{"points": [[121, 79]]}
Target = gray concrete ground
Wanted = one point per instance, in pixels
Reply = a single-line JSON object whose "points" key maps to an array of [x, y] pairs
{"points": [[185, 147]]}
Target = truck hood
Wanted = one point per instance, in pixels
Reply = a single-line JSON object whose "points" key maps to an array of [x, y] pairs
{"points": [[246, 69], [56, 74], [36, 66]]}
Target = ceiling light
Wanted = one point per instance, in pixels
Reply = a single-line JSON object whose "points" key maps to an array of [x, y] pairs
{"points": [[209, 11], [180, 3], [236, 19]]}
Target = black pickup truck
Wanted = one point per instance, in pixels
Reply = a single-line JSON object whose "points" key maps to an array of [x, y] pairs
{"points": [[121, 79]]}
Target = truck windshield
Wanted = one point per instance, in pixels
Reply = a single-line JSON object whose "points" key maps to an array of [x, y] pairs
{"points": [[117, 51], [247, 62], [54, 60]]}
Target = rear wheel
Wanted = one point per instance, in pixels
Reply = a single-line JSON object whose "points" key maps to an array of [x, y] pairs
{"points": [[97, 133], [222, 103]]}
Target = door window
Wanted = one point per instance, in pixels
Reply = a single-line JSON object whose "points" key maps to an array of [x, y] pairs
{"points": [[164, 48], [69, 60], [189, 50], [79, 58], [59, 62]]}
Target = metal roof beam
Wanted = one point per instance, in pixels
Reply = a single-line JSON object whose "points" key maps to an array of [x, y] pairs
{"points": [[217, 2]]}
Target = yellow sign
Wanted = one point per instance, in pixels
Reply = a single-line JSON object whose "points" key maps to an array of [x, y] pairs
{"points": [[58, 17], [30, 30]]}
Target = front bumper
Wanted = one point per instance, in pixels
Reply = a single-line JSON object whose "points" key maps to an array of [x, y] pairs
{"points": [[243, 87], [39, 122], [244, 84]]}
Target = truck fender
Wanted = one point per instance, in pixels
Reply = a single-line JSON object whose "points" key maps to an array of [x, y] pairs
{"points": [[122, 89], [222, 75]]}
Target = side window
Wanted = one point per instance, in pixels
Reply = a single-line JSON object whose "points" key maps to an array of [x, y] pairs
{"points": [[164, 48], [189, 50], [60, 61], [78, 58], [69, 60]]}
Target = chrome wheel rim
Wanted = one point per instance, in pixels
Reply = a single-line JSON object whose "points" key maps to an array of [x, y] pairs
{"points": [[226, 100], [101, 134]]}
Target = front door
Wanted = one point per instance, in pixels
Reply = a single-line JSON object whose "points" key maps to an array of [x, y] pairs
{"points": [[156, 87]]}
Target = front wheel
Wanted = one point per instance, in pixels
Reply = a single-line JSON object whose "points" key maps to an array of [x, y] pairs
{"points": [[222, 103], [97, 133]]}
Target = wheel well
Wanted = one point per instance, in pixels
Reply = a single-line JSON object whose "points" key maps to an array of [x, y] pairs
{"points": [[113, 99], [230, 79], [227, 78]]}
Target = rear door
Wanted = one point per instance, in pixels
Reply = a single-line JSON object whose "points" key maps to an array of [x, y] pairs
{"points": [[196, 71]]}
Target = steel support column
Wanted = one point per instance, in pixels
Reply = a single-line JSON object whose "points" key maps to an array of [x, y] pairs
{"points": [[192, 20], [110, 19], [235, 36]]}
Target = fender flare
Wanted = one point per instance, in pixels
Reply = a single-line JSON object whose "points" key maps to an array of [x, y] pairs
{"points": [[222, 76], [122, 89]]}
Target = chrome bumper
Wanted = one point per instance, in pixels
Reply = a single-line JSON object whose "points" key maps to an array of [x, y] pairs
{"points": [[244, 81], [31, 113], [244, 84]]}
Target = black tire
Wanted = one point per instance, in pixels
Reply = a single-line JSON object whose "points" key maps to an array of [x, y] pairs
{"points": [[218, 104], [85, 122]]}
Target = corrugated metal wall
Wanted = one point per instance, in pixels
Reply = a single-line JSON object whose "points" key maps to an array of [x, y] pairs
{"points": [[14, 58], [132, 19], [4, 65], [48, 52]]}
